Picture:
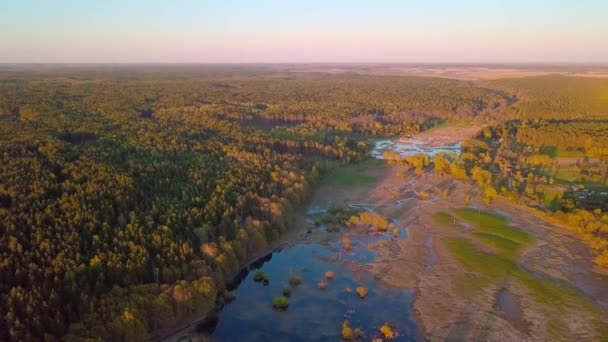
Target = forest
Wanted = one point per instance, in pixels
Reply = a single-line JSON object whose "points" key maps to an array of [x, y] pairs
{"points": [[131, 196], [556, 96]]}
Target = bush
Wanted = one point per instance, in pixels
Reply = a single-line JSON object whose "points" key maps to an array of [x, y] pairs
{"points": [[347, 331], [387, 332], [280, 302], [295, 280], [347, 244], [322, 285], [374, 221], [329, 275], [286, 290], [337, 215], [260, 276], [362, 291], [349, 334]]}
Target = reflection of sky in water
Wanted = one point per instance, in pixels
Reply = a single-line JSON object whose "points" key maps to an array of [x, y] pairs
{"points": [[407, 147], [508, 303], [313, 314], [432, 258]]}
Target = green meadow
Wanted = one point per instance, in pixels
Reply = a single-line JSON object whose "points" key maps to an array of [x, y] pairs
{"points": [[494, 232], [353, 174]]}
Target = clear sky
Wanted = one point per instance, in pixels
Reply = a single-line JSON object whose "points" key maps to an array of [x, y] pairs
{"points": [[303, 31]]}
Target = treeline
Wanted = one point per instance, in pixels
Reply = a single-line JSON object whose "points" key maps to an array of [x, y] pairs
{"points": [[589, 137]]}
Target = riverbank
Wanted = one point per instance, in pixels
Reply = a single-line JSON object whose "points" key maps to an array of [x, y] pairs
{"points": [[543, 289], [341, 186]]}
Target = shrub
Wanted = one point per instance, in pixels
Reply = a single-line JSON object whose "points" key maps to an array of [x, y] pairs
{"points": [[347, 331], [358, 333], [353, 221], [322, 285], [295, 280], [387, 331], [374, 221], [286, 290], [337, 215], [280, 302], [260, 276], [362, 291], [329, 275], [347, 244]]}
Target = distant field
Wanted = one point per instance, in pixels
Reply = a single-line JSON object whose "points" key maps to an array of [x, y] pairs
{"points": [[557, 96], [462, 72]]}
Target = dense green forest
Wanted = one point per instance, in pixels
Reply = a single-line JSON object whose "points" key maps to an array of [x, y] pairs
{"points": [[130, 197]]}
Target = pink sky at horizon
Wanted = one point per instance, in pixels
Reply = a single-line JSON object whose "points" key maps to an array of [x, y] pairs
{"points": [[389, 32]]}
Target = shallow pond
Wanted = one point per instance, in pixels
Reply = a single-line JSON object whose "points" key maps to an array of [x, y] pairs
{"points": [[508, 304], [313, 314]]}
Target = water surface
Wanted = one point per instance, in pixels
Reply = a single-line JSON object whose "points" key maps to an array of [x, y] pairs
{"points": [[313, 314]]}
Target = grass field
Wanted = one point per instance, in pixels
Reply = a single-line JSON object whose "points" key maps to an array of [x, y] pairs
{"points": [[561, 152], [352, 175], [443, 217], [494, 232], [568, 174], [493, 225]]}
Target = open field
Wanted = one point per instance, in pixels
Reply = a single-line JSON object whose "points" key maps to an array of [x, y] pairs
{"points": [[461, 72]]}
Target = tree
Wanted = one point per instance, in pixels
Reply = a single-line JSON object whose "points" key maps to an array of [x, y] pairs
{"points": [[488, 193]]}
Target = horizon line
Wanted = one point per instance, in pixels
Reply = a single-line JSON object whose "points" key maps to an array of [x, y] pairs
{"points": [[487, 63]]}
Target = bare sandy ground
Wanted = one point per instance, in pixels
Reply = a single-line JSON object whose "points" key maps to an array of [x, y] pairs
{"points": [[446, 304]]}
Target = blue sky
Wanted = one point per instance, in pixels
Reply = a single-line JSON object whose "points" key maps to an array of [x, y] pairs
{"points": [[303, 31]]}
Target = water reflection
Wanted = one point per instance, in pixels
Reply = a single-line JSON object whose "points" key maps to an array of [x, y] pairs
{"points": [[313, 314], [409, 146]]}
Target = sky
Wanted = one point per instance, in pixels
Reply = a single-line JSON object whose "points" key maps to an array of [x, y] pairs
{"points": [[311, 31]]}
